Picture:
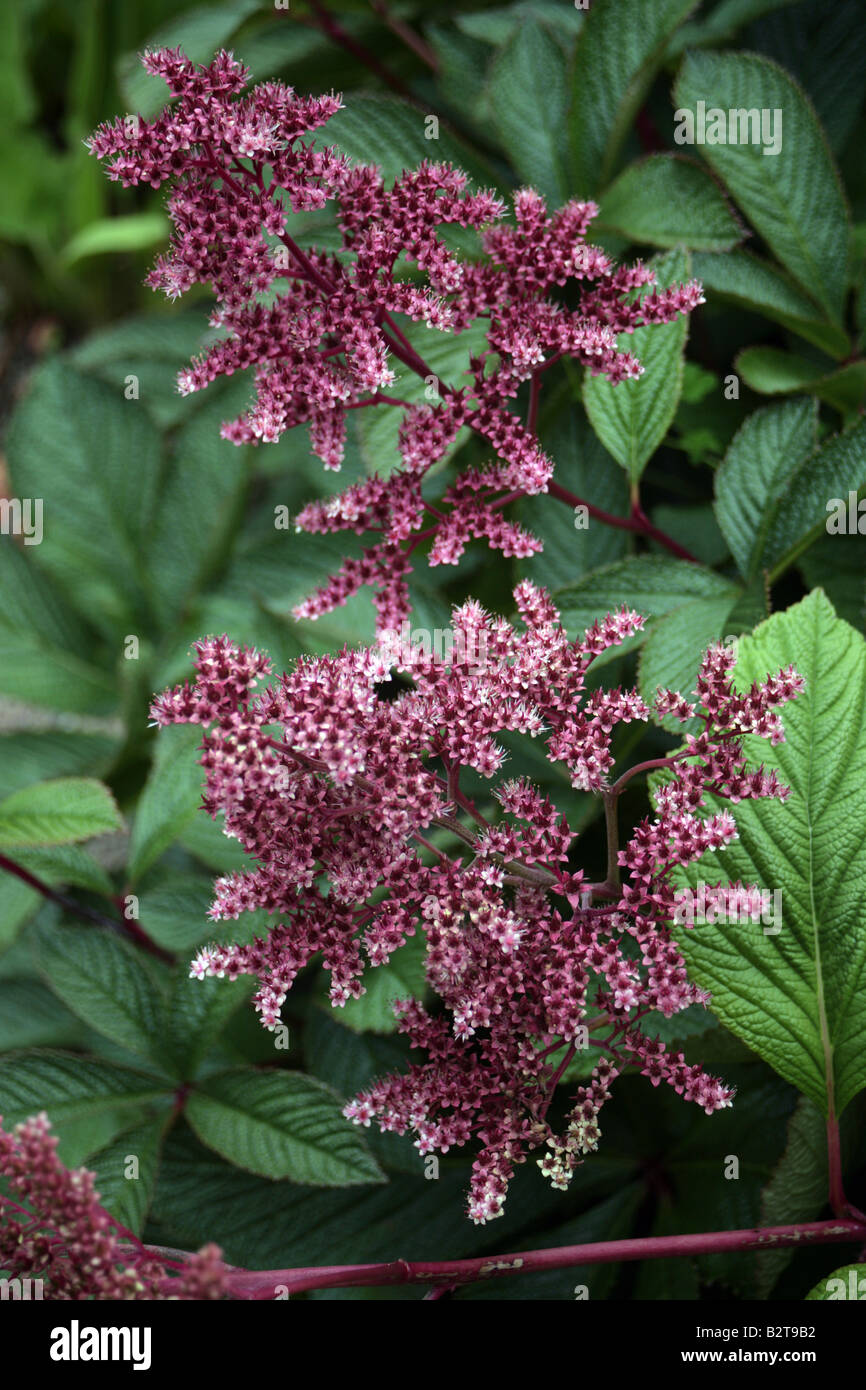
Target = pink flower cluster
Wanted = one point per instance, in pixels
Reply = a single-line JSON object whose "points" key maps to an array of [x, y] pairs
{"points": [[319, 331], [59, 1233], [352, 807]]}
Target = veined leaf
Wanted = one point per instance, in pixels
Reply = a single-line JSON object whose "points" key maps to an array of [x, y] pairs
{"points": [[794, 197], [632, 418], [669, 201], [618, 52], [795, 995], [280, 1124], [57, 813], [533, 131]]}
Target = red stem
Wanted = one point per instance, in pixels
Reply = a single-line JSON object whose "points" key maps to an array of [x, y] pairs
{"points": [[260, 1284]]}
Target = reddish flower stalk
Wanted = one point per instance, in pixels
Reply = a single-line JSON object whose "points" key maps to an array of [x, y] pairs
{"points": [[320, 330]]}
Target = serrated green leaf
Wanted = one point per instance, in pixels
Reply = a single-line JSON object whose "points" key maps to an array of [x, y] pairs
{"points": [[392, 134], [170, 799], [773, 372], [793, 198], [280, 1124], [751, 283], [197, 1012], [796, 995], [70, 442], [672, 653], [654, 585], [57, 813], [68, 1086], [666, 200], [618, 52], [532, 131], [755, 474], [825, 478], [632, 417], [102, 979], [126, 1172]]}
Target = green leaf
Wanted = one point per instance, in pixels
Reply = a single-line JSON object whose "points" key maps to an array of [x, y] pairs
{"points": [[67, 864], [796, 995], [68, 1086], [751, 283], [584, 466], [401, 977], [654, 585], [673, 650], [666, 200], [798, 1188], [847, 1282], [171, 796], [58, 813], [71, 442], [532, 131], [29, 754], [618, 52], [200, 32], [30, 1016], [835, 564], [632, 418], [794, 198], [280, 1124], [392, 134], [197, 1012], [756, 473], [826, 477], [771, 372], [135, 231], [200, 507], [102, 979], [126, 1172]]}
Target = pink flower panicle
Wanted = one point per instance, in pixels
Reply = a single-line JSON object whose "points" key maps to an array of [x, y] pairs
{"points": [[317, 328], [333, 792], [58, 1232]]}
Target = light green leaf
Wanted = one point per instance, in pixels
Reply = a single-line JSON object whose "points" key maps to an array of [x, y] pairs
{"points": [[58, 813], [618, 52], [793, 198], [280, 1124], [666, 200], [796, 995], [756, 473], [135, 231], [848, 1282], [533, 131], [171, 796], [401, 978], [102, 979], [632, 417]]}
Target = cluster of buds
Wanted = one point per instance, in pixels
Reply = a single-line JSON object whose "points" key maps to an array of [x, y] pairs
{"points": [[60, 1234], [318, 328], [352, 808]]}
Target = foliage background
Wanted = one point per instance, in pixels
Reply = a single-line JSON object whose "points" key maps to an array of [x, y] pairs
{"points": [[154, 529]]}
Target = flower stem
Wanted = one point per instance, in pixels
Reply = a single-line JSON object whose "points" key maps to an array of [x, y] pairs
{"points": [[260, 1284]]}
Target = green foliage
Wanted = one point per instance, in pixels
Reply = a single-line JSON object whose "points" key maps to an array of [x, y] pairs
{"points": [[742, 438]]}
